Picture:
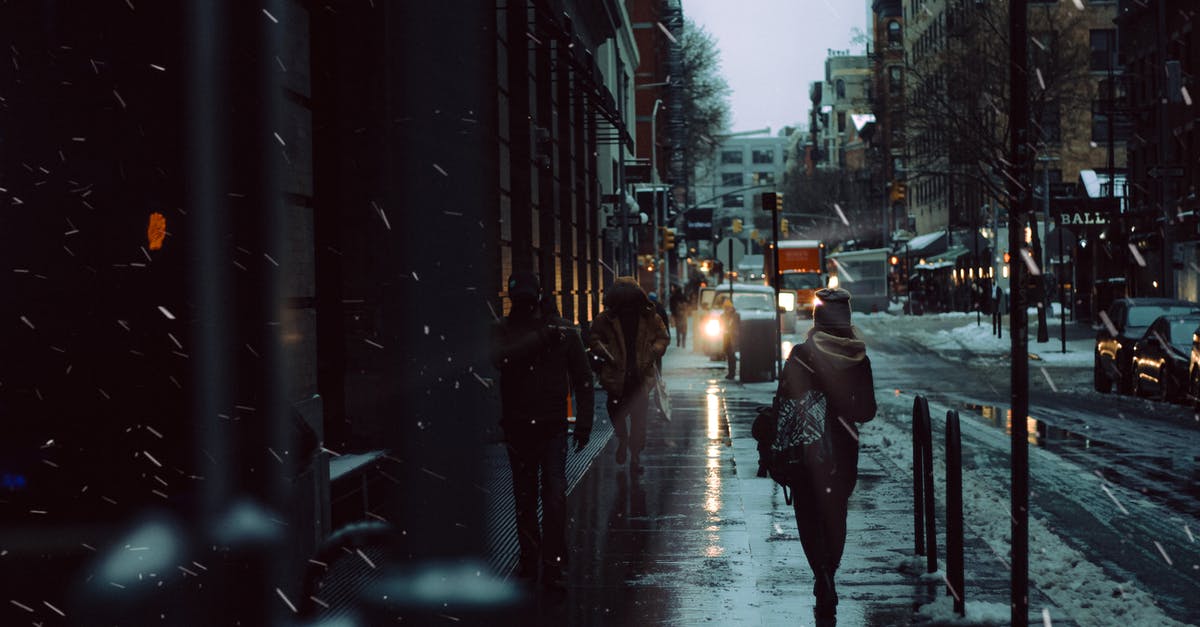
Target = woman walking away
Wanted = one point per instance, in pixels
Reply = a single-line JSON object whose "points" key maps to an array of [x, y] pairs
{"points": [[826, 389], [679, 311], [630, 337]]}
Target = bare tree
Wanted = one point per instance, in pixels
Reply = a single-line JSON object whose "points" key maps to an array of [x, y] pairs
{"points": [[705, 95], [957, 94]]}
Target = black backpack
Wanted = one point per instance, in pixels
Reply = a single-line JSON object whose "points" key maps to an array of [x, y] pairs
{"points": [[792, 432], [799, 438]]}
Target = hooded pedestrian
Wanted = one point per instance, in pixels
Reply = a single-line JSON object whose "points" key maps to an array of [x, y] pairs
{"points": [[631, 337], [541, 361], [679, 311], [730, 322], [828, 378]]}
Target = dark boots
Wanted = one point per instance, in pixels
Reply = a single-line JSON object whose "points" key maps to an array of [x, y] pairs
{"points": [[827, 600]]}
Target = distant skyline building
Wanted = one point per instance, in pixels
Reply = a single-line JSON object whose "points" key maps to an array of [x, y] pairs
{"points": [[742, 168]]}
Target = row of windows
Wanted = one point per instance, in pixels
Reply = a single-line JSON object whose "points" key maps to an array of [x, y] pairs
{"points": [[756, 156], [737, 179]]}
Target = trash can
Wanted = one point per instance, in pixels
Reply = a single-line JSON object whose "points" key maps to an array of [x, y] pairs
{"points": [[758, 349]]}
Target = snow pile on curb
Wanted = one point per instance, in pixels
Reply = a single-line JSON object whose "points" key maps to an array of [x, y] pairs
{"points": [[941, 612], [1081, 588]]}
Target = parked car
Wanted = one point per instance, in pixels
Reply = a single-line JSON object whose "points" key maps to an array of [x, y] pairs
{"points": [[751, 301], [1194, 371], [1161, 357], [1130, 318]]}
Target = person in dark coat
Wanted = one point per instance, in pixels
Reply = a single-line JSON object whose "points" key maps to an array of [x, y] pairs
{"points": [[679, 311], [833, 361], [630, 337], [730, 321], [666, 320], [541, 361]]}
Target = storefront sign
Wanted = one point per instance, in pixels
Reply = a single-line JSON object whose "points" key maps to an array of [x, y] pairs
{"points": [[1084, 211], [1068, 218]]}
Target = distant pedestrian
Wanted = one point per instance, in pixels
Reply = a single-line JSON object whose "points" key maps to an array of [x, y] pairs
{"points": [[541, 361], [730, 321], [828, 380], [666, 319], [631, 337], [679, 312]]}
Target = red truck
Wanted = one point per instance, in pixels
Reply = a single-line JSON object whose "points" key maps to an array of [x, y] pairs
{"points": [[801, 266]]}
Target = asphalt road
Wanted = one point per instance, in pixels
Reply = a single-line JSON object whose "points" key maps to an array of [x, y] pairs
{"points": [[1117, 478]]}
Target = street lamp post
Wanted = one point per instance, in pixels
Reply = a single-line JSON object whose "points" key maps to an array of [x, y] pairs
{"points": [[1018, 37], [659, 198]]}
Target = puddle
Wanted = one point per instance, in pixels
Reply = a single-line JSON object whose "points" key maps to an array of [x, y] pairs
{"points": [[1040, 434], [1175, 480]]}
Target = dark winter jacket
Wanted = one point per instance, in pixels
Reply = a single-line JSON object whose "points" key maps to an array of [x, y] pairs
{"points": [[626, 299], [541, 361], [662, 314], [838, 367]]}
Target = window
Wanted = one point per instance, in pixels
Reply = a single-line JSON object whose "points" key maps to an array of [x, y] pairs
{"points": [[841, 118], [732, 179], [895, 84], [733, 200], [731, 156], [1104, 46], [840, 86], [762, 156], [1049, 120], [894, 37], [1099, 127], [763, 178]]}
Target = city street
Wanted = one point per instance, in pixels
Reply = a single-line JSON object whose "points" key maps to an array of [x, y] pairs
{"points": [[308, 307], [699, 538]]}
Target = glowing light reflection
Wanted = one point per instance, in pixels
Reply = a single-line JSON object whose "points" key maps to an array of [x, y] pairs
{"points": [[713, 414]]}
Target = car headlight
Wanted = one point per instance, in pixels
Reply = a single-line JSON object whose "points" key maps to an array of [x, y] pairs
{"points": [[712, 328]]}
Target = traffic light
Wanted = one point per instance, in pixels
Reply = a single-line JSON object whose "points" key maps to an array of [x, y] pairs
{"points": [[1007, 257], [668, 239], [898, 192], [737, 225], [894, 260], [783, 226], [754, 234], [772, 201]]}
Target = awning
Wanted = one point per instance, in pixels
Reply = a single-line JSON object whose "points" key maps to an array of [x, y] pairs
{"points": [[947, 259], [925, 244]]}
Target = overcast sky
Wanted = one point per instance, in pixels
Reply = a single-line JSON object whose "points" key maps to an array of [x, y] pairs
{"points": [[772, 49]]}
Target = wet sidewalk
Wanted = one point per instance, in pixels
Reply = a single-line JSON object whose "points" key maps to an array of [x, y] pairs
{"points": [[699, 539]]}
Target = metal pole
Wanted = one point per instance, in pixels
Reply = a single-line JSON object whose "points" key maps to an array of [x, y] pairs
{"points": [[625, 267], [927, 489], [955, 575], [918, 481], [1168, 273], [729, 269], [1062, 294], [777, 366], [1018, 37], [662, 266], [975, 263]]}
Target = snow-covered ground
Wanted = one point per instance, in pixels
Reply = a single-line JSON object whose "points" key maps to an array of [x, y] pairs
{"points": [[1108, 530], [1075, 581], [972, 339]]}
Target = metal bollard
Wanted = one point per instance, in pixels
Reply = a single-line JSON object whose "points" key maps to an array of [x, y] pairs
{"points": [[927, 468], [955, 575], [918, 482]]}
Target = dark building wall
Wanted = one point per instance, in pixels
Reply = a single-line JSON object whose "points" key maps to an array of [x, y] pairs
{"points": [[407, 191], [1160, 223], [549, 93], [176, 380]]}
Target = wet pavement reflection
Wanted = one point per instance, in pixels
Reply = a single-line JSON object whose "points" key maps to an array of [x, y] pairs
{"points": [[699, 539]]}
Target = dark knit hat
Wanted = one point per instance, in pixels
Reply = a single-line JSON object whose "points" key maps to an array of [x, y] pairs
{"points": [[833, 310], [523, 284]]}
